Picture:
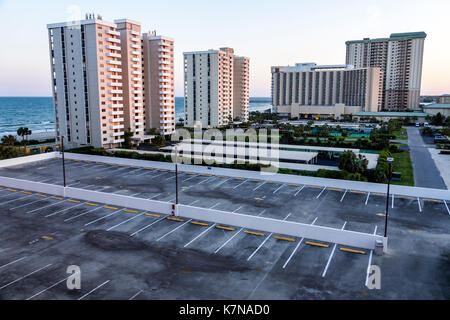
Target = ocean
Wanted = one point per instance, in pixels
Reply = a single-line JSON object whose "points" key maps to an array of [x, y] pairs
{"points": [[36, 113]]}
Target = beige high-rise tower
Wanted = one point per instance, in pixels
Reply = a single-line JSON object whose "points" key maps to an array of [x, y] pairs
{"points": [[400, 58], [98, 82], [216, 88]]}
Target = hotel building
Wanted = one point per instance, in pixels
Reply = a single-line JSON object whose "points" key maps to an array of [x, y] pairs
{"points": [[307, 90], [216, 88], [97, 82], [400, 58]]}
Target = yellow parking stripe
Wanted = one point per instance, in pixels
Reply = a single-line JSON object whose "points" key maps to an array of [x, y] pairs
{"points": [[293, 185], [175, 219], [91, 204], [360, 192], [255, 180], [136, 167], [274, 182], [58, 198], [13, 190], [238, 179], [317, 244], [206, 175], [99, 163], [335, 189], [163, 170], [434, 200], [108, 207], [225, 228], [26, 192], [122, 165], [74, 201], [254, 233], [352, 251], [223, 177], [199, 223], [378, 194], [153, 215], [41, 195], [283, 238], [149, 169], [132, 211], [314, 187]]}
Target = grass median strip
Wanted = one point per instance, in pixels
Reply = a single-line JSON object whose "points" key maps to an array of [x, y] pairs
{"points": [[284, 238], [317, 244], [199, 223], [225, 228], [254, 233], [352, 250]]}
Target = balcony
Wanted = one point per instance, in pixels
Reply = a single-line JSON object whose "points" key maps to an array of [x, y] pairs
{"points": [[114, 40], [114, 120], [135, 59], [115, 55], [137, 104], [116, 113], [114, 77], [165, 80], [135, 79], [118, 126], [114, 62], [135, 46], [114, 105], [117, 141], [137, 91], [114, 84], [112, 47], [114, 33], [164, 62], [165, 109], [134, 33], [136, 85], [138, 117], [136, 65], [165, 92], [115, 98], [163, 86], [115, 91], [135, 72], [110, 69], [136, 53], [164, 50], [164, 68], [116, 134], [165, 104], [166, 121], [135, 39], [164, 56]]}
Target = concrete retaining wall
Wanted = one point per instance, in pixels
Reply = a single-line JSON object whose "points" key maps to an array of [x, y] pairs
{"points": [[27, 159]]}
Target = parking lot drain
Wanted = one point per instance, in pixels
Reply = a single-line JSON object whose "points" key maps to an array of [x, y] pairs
{"points": [[74, 201], [175, 219], [225, 228], [283, 238], [352, 251], [254, 233], [132, 211], [317, 244], [108, 207], [199, 223], [153, 215]]}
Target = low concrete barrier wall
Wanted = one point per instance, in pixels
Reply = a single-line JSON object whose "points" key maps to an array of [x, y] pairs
{"points": [[344, 237], [32, 186], [27, 159]]}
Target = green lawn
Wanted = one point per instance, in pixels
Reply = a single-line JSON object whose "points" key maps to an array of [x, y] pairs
{"points": [[401, 134], [403, 164]]}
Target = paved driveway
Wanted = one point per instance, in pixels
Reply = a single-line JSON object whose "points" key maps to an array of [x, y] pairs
{"points": [[426, 173]]}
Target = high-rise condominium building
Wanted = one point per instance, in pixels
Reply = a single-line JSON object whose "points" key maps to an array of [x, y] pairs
{"points": [[98, 83], [400, 58], [216, 88], [308, 90], [159, 93]]}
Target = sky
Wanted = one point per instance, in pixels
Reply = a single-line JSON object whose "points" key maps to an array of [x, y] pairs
{"points": [[281, 32]]}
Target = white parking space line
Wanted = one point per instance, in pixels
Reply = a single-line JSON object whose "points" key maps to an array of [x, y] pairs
{"points": [[370, 259], [146, 172], [240, 184], [104, 217], [193, 176], [119, 224], [257, 187], [25, 276], [321, 192], [296, 248], [215, 205], [147, 226], [235, 210], [53, 204], [210, 178], [96, 288], [279, 188], [54, 213], [367, 199], [12, 262], [418, 202], [81, 214], [392, 201], [135, 194], [173, 230], [222, 182], [195, 201], [446, 207], [74, 184], [158, 175], [226, 242], [53, 285], [154, 196], [299, 190], [343, 196], [27, 196], [201, 234], [265, 240], [135, 295], [331, 255]]}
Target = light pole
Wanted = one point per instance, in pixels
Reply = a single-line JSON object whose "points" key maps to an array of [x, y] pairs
{"points": [[63, 162], [390, 162], [176, 174]]}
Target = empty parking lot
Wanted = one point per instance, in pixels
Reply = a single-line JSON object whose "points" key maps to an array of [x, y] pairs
{"points": [[124, 253]]}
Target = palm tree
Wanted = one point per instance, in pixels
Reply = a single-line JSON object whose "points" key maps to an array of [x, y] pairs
{"points": [[24, 132], [9, 140]]}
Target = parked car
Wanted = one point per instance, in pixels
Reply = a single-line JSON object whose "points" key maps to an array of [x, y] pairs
{"points": [[425, 124], [417, 124]]}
